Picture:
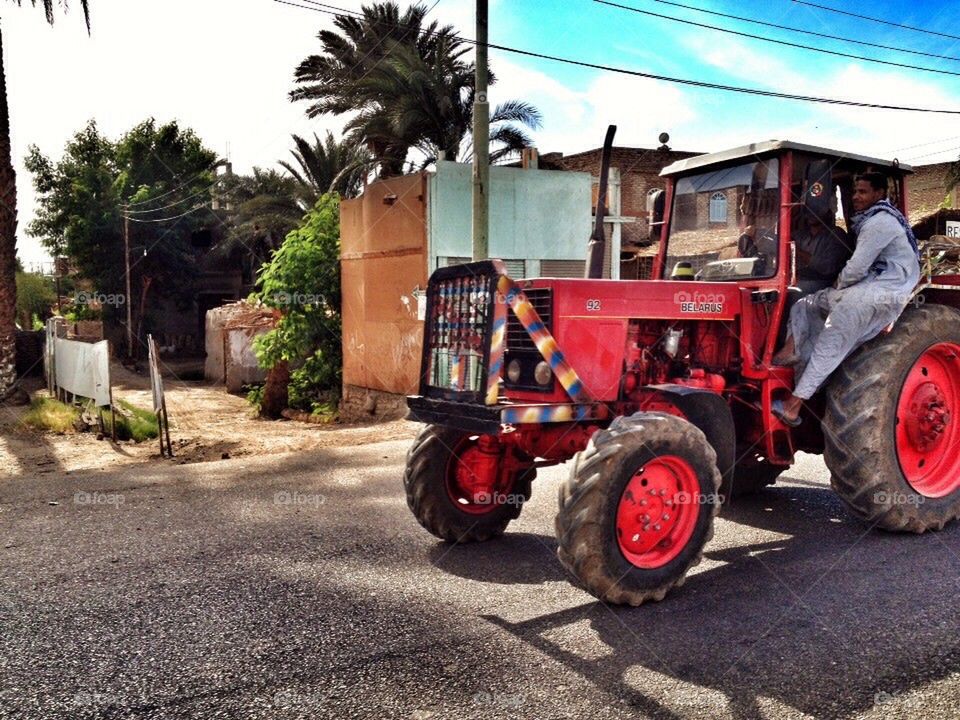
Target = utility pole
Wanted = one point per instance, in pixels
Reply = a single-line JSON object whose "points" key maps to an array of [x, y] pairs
{"points": [[126, 265], [481, 143]]}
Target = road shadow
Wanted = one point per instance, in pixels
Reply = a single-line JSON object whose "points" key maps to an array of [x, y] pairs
{"points": [[514, 559], [824, 617]]}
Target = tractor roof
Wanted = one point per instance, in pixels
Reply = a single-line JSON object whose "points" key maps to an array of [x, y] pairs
{"points": [[772, 147]]}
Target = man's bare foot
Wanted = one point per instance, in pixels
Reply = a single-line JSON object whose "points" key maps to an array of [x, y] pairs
{"points": [[787, 355]]}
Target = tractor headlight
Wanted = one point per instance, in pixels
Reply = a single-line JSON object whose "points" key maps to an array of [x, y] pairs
{"points": [[542, 373], [513, 371]]}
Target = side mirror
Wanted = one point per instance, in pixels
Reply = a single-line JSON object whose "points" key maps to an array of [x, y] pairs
{"points": [[658, 204]]}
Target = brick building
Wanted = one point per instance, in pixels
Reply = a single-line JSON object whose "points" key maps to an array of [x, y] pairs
{"points": [[634, 179], [927, 191]]}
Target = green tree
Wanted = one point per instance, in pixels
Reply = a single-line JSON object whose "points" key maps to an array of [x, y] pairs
{"points": [[332, 82], [408, 87], [327, 166], [35, 297], [8, 222], [162, 174], [302, 281], [433, 106], [261, 209]]}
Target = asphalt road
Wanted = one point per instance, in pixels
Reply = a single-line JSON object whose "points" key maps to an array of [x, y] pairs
{"points": [[300, 586]]}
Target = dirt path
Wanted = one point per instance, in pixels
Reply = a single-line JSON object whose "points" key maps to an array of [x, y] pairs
{"points": [[207, 424]]}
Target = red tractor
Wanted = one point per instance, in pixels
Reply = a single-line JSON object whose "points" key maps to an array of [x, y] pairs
{"points": [[660, 390]]}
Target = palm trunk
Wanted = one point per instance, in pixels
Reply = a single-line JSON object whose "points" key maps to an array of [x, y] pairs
{"points": [[8, 245]]}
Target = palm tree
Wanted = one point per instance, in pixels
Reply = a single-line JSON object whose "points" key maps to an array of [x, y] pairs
{"points": [[261, 209], [327, 166], [8, 224], [432, 105], [333, 82], [409, 87]]}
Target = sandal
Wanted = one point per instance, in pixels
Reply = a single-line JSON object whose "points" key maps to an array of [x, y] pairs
{"points": [[776, 407]]}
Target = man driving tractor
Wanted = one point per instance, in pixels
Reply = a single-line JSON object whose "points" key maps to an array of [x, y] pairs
{"points": [[870, 293]]}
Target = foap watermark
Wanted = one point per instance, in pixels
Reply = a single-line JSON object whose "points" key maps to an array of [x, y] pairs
{"points": [[897, 498], [298, 298], [92, 297], [897, 696], [688, 498], [498, 498], [500, 700], [292, 698], [90, 700], [298, 499], [82, 497]]}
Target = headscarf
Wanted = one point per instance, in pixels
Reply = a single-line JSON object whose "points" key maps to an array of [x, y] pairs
{"points": [[885, 206]]}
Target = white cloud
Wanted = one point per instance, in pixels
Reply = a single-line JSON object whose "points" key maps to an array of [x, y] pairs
{"points": [[577, 120]]}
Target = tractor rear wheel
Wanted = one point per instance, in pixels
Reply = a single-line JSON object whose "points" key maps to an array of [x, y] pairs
{"points": [[445, 491], [892, 424], [638, 507]]}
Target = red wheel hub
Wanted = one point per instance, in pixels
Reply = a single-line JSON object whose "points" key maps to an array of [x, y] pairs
{"points": [[658, 511], [927, 432], [474, 478]]}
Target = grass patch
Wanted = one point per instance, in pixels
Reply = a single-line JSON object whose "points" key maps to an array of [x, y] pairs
{"points": [[133, 423], [48, 414]]}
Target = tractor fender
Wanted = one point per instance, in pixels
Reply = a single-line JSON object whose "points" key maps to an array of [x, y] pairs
{"points": [[711, 414]]}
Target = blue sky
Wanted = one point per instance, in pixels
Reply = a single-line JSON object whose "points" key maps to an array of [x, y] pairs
{"points": [[224, 67]]}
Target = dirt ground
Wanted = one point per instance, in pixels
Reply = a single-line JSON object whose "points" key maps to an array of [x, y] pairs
{"points": [[206, 424]]}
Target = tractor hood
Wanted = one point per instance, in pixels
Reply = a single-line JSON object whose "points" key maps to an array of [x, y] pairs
{"points": [[641, 299]]}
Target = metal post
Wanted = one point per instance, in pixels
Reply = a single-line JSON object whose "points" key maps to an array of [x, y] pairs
{"points": [[481, 142], [126, 265]]}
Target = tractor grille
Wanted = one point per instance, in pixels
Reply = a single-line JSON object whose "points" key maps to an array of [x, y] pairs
{"points": [[518, 339], [460, 308]]}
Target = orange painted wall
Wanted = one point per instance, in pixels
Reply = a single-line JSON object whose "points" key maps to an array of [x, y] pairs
{"points": [[383, 253]]}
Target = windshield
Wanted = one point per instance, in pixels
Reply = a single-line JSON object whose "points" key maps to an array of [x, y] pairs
{"points": [[724, 224]]}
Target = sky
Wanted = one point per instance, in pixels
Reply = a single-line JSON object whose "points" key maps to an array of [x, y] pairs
{"points": [[225, 67]]}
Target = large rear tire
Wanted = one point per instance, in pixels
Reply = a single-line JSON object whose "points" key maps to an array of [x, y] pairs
{"points": [[638, 508], [892, 424], [440, 506]]}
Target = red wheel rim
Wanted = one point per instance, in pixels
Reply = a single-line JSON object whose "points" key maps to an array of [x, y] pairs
{"points": [[469, 488], [658, 512], [926, 432]]}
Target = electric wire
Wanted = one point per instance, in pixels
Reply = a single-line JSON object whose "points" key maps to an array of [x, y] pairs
{"points": [[163, 220], [803, 31], [785, 43], [876, 20], [676, 80], [166, 207]]}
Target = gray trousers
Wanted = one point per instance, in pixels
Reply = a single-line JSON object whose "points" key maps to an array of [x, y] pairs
{"points": [[830, 324]]}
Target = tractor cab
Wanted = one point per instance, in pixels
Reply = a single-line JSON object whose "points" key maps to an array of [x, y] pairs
{"points": [[733, 216]]}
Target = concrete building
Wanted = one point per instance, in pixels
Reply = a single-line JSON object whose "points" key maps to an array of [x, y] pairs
{"points": [[402, 229]]}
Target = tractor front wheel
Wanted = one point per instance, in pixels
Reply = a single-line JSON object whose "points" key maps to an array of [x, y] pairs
{"points": [[638, 508], [456, 489], [892, 425]]}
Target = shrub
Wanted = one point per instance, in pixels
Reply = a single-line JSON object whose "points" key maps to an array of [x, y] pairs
{"points": [[302, 280]]}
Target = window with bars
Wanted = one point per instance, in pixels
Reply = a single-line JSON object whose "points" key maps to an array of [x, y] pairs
{"points": [[718, 207]]}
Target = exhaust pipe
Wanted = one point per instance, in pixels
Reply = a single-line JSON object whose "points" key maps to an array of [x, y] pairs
{"points": [[597, 242]]}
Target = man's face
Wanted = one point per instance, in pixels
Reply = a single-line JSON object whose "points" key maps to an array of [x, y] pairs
{"points": [[864, 195]]}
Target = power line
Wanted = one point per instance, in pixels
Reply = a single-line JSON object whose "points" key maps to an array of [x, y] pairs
{"points": [[877, 20], [683, 81], [176, 189], [785, 43], [163, 220], [173, 204], [802, 31]]}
